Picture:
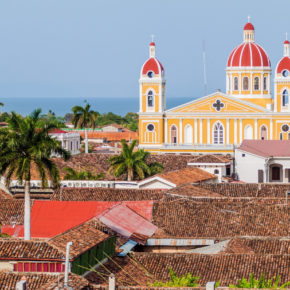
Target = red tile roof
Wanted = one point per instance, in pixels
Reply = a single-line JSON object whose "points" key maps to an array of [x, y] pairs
{"points": [[187, 175], [210, 159], [111, 136], [267, 148]]}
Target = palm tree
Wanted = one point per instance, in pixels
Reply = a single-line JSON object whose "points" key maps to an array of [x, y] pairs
{"points": [[132, 162], [24, 146], [1, 105], [84, 118]]}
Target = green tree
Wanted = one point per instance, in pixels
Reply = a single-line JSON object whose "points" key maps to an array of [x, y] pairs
{"points": [[272, 283], [72, 174], [186, 280], [132, 163], [84, 118], [23, 146]]}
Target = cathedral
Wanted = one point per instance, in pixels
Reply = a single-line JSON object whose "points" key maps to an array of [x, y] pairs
{"points": [[219, 122]]}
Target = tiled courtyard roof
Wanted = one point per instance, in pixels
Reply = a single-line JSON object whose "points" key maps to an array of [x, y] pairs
{"points": [[220, 218], [8, 281], [105, 194], [142, 268]]}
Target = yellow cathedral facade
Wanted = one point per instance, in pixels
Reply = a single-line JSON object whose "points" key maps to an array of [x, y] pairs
{"points": [[219, 122]]}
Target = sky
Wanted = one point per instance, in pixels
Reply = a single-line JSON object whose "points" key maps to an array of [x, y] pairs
{"points": [[96, 48]]}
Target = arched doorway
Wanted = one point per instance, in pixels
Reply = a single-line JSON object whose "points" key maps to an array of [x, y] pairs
{"points": [[173, 134], [276, 173], [188, 134]]}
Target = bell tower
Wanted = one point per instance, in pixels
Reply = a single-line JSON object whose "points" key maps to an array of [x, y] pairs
{"points": [[151, 100]]}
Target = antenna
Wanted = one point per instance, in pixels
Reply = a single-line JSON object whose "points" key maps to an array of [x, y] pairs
{"points": [[204, 68]]}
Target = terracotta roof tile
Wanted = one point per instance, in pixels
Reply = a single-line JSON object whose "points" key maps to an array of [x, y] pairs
{"points": [[11, 211], [210, 159], [187, 175]]}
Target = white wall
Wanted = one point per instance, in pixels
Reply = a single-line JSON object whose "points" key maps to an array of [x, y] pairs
{"points": [[247, 167], [155, 184]]}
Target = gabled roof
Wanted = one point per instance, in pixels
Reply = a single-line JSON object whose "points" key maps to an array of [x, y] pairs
{"points": [[186, 175], [267, 148], [126, 222], [210, 159], [242, 103]]}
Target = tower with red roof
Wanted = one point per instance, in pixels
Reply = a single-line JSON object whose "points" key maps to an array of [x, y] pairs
{"points": [[282, 81]]}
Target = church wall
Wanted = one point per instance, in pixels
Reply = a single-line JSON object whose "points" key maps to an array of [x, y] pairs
{"points": [[145, 88]]}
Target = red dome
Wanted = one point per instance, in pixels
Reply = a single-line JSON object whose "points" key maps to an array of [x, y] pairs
{"points": [[283, 64], [249, 54], [152, 64], [286, 42], [249, 26], [152, 43]]}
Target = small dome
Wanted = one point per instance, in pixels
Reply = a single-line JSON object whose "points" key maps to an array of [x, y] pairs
{"points": [[249, 26], [248, 54], [283, 64], [152, 43], [286, 42], [152, 64]]}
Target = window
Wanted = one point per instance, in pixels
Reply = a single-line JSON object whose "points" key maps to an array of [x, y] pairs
{"points": [[285, 73], [218, 133], [256, 83], [275, 173], [285, 98], [285, 128], [229, 79], [248, 132], [263, 133], [281, 136], [216, 171], [150, 97], [188, 134], [243, 155], [245, 83], [173, 133], [236, 84], [265, 83], [288, 136], [150, 127], [150, 74]]}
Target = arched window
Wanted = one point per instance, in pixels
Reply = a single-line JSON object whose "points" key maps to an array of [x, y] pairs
{"points": [[188, 134], [245, 83], [263, 133], [218, 133], [150, 99], [256, 83], [248, 132], [173, 134], [285, 98], [236, 83], [265, 83]]}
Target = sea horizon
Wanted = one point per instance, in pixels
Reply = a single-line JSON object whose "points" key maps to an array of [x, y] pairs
{"points": [[62, 105]]}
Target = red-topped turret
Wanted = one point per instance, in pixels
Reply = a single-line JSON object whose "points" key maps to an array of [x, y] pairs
{"points": [[284, 64], [249, 26]]}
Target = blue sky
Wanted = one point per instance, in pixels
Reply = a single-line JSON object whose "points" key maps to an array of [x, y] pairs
{"points": [[95, 48]]}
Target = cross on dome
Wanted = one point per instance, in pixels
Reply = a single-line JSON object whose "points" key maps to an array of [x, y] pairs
{"points": [[152, 37], [249, 18]]}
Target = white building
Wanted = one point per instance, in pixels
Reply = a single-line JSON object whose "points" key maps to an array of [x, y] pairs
{"points": [[218, 165], [263, 161], [69, 140]]}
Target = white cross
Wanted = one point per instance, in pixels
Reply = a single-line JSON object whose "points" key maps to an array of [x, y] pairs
{"points": [[249, 18], [152, 37]]}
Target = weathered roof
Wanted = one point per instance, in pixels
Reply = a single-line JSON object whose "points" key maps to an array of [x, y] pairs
{"points": [[5, 195], [186, 175], [126, 222], [267, 148], [228, 268], [191, 190], [11, 211], [210, 159]]}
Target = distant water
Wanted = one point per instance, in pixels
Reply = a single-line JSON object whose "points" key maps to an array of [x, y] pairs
{"points": [[61, 106]]}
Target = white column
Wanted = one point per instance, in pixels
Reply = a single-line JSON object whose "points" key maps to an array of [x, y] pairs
{"points": [[241, 131], [208, 131], [271, 129], [228, 131], [165, 131], [235, 132], [256, 129], [180, 131], [200, 131], [195, 131]]}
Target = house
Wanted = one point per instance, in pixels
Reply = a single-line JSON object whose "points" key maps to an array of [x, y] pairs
{"points": [[263, 161], [215, 164], [175, 178], [69, 140]]}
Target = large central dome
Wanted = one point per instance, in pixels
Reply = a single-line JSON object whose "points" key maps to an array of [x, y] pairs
{"points": [[248, 54]]}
